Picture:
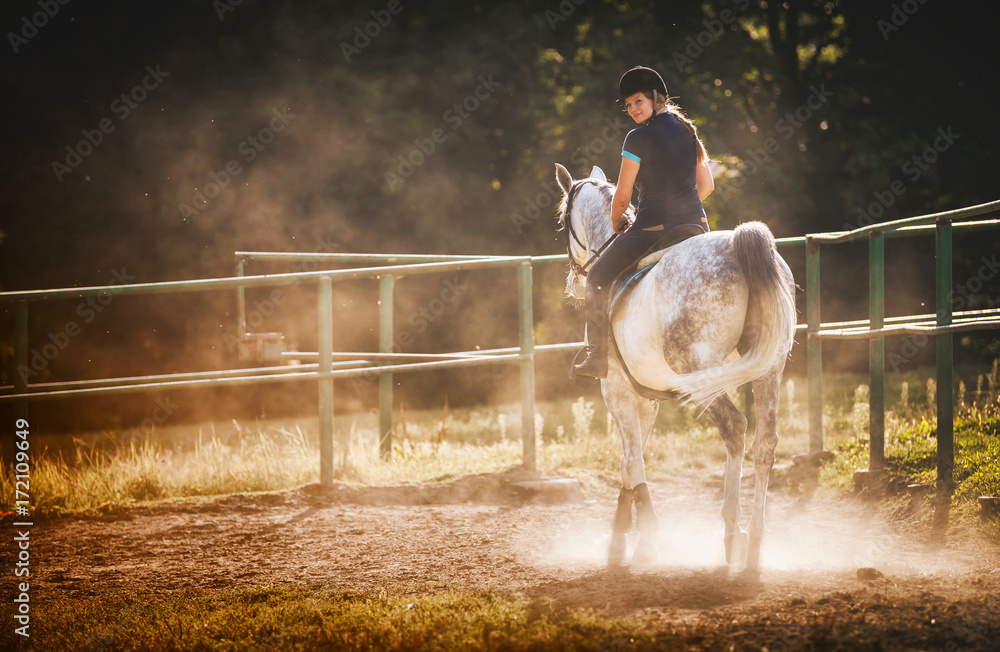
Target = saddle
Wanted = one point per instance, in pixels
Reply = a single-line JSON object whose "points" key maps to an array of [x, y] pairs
{"points": [[626, 281]]}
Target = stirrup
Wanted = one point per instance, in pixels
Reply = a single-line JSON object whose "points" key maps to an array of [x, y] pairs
{"points": [[576, 361], [594, 366]]}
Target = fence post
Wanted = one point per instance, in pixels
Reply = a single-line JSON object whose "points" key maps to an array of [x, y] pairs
{"points": [[527, 342], [21, 348], [7, 449], [241, 301], [814, 352], [324, 302], [945, 405], [385, 338], [876, 351]]}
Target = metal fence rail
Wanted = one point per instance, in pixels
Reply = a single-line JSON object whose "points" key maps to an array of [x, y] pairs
{"points": [[941, 224], [325, 370], [387, 267]]}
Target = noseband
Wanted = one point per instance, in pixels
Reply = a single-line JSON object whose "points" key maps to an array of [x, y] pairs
{"points": [[580, 270]]}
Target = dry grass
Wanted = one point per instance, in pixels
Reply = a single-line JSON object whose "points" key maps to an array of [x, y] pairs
{"points": [[104, 476], [111, 471], [574, 438]]}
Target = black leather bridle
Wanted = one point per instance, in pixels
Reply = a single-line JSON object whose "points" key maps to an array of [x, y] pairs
{"points": [[580, 270]]}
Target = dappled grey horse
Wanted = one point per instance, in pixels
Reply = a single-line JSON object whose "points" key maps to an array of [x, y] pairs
{"points": [[716, 311]]}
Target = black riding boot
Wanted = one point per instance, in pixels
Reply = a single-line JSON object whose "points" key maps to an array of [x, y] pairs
{"points": [[596, 309]]}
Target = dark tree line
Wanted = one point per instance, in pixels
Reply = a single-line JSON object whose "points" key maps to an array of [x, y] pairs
{"points": [[419, 126]]}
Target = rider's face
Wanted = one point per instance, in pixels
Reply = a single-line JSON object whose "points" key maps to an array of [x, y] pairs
{"points": [[639, 107]]}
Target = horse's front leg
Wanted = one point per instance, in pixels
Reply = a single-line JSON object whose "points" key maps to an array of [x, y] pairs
{"points": [[634, 417], [620, 526], [647, 523]]}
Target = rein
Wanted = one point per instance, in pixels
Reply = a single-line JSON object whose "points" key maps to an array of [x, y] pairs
{"points": [[579, 269]]}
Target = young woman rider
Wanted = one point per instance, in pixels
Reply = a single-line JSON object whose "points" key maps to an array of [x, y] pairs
{"points": [[667, 162]]}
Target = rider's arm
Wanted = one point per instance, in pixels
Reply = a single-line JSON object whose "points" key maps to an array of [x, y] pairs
{"points": [[704, 180], [623, 193]]}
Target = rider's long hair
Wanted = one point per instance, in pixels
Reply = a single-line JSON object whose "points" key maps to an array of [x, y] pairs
{"points": [[659, 101]]}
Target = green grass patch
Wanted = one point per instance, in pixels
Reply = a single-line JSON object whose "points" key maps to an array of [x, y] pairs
{"points": [[313, 617], [911, 447], [977, 452], [290, 618], [911, 444]]}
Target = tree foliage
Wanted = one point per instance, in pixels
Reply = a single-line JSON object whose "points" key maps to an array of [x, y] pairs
{"points": [[424, 126]]}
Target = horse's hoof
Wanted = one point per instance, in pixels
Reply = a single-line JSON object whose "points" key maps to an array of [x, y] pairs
{"points": [[753, 553], [748, 576], [617, 549], [736, 549], [646, 553]]}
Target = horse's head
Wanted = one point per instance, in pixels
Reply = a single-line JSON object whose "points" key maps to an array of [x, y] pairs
{"points": [[585, 216]]}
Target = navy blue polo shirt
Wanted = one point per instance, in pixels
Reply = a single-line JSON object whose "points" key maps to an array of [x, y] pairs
{"points": [[667, 157]]}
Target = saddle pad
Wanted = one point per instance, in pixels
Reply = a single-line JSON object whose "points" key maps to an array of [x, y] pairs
{"points": [[645, 264], [619, 288], [653, 258]]}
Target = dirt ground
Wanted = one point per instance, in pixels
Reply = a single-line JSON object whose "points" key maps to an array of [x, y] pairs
{"points": [[483, 533]]}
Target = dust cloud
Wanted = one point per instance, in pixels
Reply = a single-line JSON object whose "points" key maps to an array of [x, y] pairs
{"points": [[820, 535]]}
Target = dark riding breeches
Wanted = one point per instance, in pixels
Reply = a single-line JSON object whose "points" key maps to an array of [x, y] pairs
{"points": [[632, 245]]}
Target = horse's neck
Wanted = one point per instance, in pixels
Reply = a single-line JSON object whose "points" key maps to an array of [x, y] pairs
{"points": [[595, 213], [598, 229]]}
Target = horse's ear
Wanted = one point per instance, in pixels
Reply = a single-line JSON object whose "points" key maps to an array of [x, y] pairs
{"points": [[598, 173], [564, 178]]}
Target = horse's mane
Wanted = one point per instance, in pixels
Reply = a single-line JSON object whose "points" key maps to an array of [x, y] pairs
{"points": [[607, 190]]}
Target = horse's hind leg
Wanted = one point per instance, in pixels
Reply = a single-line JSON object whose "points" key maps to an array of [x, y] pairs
{"points": [[766, 391], [732, 426]]}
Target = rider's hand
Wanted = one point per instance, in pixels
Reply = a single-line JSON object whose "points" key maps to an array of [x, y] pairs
{"points": [[622, 226]]}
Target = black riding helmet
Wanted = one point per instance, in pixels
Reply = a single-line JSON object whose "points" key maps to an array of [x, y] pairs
{"points": [[640, 79]]}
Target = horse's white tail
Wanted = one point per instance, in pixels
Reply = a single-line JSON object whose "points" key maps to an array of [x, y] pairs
{"points": [[771, 303]]}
